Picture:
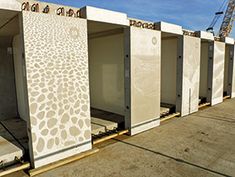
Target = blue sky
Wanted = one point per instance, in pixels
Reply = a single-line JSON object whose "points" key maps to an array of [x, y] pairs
{"points": [[191, 14]]}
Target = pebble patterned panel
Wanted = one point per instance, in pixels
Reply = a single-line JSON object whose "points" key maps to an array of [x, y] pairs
{"points": [[56, 57]]}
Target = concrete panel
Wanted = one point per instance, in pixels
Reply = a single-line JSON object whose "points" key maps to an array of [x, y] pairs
{"points": [[20, 80], [142, 72], [228, 40], [106, 73], [216, 67], [10, 5], [169, 28], [231, 72], [102, 15], [204, 70], [205, 35], [58, 86], [8, 102], [168, 70], [191, 74], [9, 152]]}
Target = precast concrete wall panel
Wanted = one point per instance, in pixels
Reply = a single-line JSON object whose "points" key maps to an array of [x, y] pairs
{"points": [[142, 74], [216, 72], [58, 86], [190, 62]]}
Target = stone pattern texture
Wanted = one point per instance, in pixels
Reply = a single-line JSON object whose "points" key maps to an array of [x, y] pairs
{"points": [[191, 75], [218, 73], [56, 57]]}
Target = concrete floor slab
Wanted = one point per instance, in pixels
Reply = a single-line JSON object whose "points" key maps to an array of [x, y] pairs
{"points": [[201, 144]]}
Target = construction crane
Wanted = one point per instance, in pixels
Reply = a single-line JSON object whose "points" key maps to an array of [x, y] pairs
{"points": [[228, 20]]}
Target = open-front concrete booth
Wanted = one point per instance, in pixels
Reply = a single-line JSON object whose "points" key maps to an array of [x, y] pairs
{"points": [[180, 70], [212, 69], [122, 62], [229, 71], [44, 83]]}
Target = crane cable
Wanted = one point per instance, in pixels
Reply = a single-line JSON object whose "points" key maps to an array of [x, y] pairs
{"points": [[218, 14]]}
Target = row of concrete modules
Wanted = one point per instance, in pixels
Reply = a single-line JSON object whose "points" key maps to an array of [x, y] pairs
{"points": [[60, 66]]}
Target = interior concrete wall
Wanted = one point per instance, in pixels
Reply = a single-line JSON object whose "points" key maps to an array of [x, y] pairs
{"points": [[203, 91], [8, 102], [20, 79], [106, 73], [226, 69], [168, 70]]}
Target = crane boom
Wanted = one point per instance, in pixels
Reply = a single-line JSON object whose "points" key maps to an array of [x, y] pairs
{"points": [[228, 20]]}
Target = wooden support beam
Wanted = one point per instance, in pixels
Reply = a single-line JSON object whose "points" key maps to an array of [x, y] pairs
{"points": [[14, 169], [171, 116], [54, 165], [226, 97], [203, 105], [110, 137]]}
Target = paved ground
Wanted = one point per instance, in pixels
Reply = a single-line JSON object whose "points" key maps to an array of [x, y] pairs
{"points": [[202, 145]]}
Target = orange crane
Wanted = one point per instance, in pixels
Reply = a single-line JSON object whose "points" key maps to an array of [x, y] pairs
{"points": [[228, 20]]}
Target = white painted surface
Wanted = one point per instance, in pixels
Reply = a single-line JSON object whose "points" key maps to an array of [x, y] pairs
{"points": [[59, 156], [229, 40], [144, 56], [8, 151], [144, 127], [106, 73], [103, 15], [191, 74], [10, 5], [205, 35], [218, 73], [169, 28], [233, 76]]}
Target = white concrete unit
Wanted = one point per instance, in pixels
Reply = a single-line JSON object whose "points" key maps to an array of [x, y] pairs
{"points": [[212, 71], [10, 5], [102, 15], [169, 28], [142, 79], [180, 67], [229, 76]]}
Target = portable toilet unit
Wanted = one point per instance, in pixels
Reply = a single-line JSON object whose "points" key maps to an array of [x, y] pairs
{"points": [[180, 70], [229, 73], [212, 69], [123, 59]]}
